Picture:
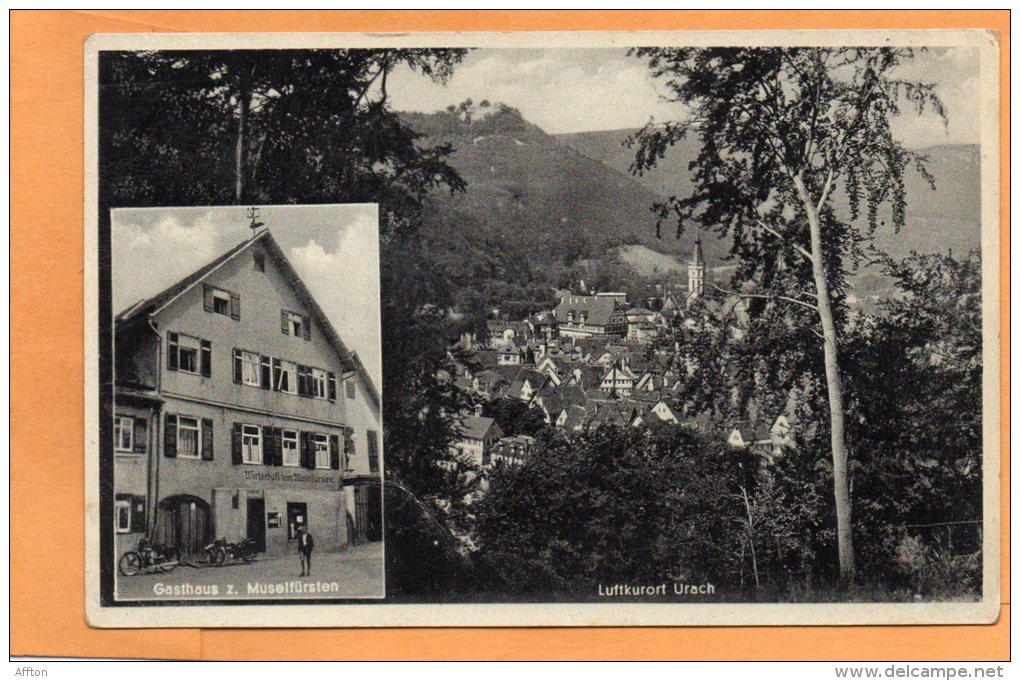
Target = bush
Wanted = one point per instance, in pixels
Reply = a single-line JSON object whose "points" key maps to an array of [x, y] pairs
{"points": [[613, 505]]}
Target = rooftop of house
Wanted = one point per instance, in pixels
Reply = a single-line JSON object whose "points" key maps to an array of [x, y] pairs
{"points": [[555, 399], [478, 427], [597, 309], [576, 417], [508, 371], [485, 358], [752, 431], [158, 301], [154, 304], [590, 375], [490, 377], [615, 412]]}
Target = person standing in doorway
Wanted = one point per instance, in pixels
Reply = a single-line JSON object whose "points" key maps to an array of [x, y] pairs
{"points": [[305, 546]]}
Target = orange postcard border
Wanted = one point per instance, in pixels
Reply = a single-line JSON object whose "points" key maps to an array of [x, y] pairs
{"points": [[47, 330]]}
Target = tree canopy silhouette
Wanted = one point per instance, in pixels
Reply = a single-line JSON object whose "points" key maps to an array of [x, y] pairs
{"points": [[781, 129]]}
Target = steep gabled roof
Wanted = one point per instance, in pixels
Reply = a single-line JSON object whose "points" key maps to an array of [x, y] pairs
{"points": [[576, 416], [752, 432], [612, 412], [594, 346], [154, 304], [157, 303], [490, 377], [597, 309], [536, 379], [478, 427]]}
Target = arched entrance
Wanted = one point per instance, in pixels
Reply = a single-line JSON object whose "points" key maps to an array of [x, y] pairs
{"points": [[183, 522]]}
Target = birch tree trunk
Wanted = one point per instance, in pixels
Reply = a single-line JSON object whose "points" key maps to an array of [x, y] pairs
{"points": [[244, 98], [840, 476]]}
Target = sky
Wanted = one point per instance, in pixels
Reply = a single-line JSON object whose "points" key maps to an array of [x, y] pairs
{"points": [[574, 90], [334, 248]]}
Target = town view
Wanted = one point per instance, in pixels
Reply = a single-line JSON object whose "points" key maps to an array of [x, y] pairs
{"points": [[703, 317]]}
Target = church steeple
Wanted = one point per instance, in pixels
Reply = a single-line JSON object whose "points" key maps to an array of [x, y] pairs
{"points": [[696, 272]]}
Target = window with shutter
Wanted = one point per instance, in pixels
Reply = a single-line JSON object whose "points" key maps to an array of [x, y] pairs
{"points": [[307, 328], [220, 301], [292, 324], [349, 448], [188, 438], [286, 380], [206, 358], [170, 436], [373, 451], [141, 435], [331, 384], [137, 513], [302, 376], [307, 458], [184, 353], [267, 378], [207, 439], [289, 445], [122, 513], [238, 365], [172, 351], [250, 368], [235, 445], [123, 434], [277, 446], [320, 441], [207, 298], [318, 384], [251, 443], [349, 386], [268, 448], [334, 452], [187, 354]]}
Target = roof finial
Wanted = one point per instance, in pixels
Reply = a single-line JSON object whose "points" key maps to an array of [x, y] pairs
{"points": [[253, 215]]}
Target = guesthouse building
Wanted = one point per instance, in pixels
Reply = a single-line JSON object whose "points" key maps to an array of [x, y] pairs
{"points": [[240, 413]]}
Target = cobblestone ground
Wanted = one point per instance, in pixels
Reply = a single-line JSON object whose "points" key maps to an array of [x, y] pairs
{"points": [[357, 572]]}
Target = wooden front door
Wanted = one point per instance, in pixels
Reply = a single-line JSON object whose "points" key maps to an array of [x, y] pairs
{"points": [[183, 522], [360, 514], [257, 523]]}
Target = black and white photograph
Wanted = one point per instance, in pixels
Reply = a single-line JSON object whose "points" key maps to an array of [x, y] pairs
{"points": [[654, 329], [246, 426]]}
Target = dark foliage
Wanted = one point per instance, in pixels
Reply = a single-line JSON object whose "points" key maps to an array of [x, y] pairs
{"points": [[514, 417], [915, 397], [317, 128], [609, 506]]}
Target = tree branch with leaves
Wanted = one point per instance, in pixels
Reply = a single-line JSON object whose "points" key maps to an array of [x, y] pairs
{"points": [[781, 130]]}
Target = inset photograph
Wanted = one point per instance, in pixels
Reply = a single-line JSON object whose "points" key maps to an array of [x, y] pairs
{"points": [[247, 450]]}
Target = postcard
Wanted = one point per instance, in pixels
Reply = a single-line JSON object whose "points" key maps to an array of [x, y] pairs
{"points": [[542, 329]]}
